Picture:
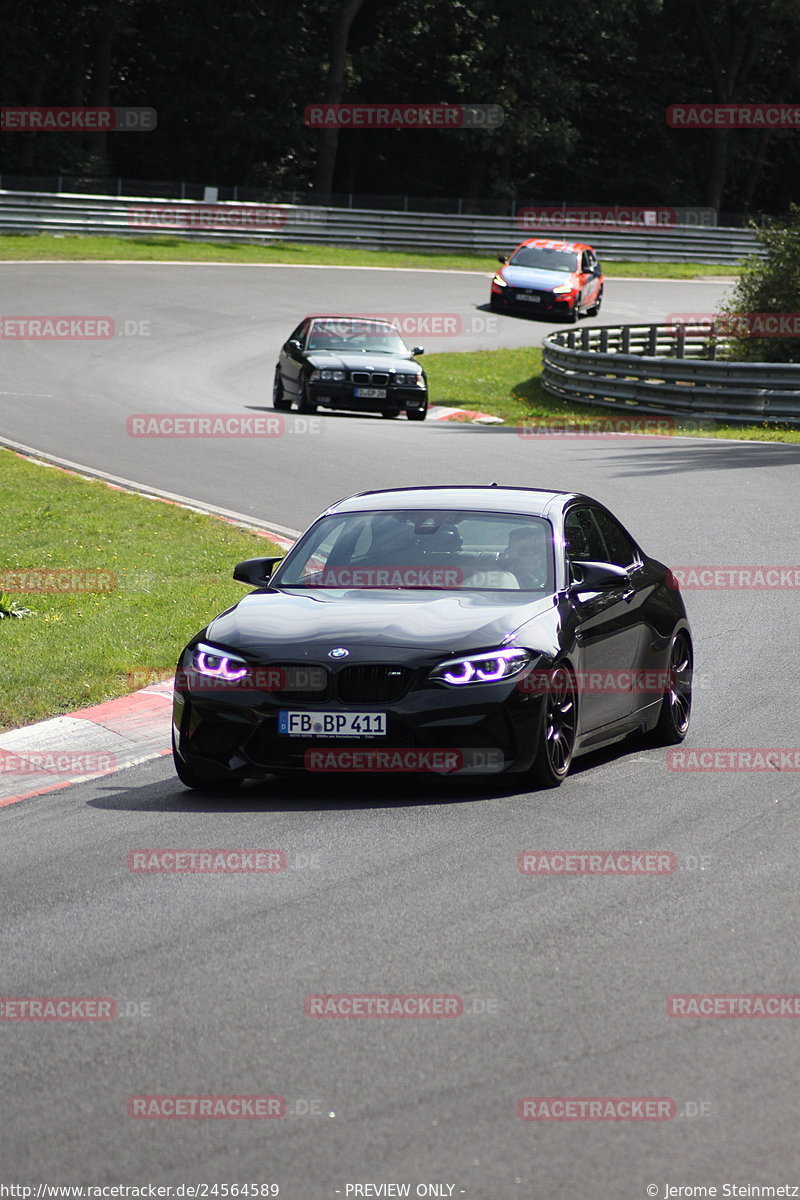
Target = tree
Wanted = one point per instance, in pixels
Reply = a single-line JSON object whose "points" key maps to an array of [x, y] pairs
{"points": [[768, 285]]}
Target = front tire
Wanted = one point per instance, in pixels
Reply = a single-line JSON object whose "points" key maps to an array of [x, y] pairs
{"points": [[676, 707], [417, 414], [559, 731], [279, 397], [575, 311], [595, 309], [305, 404]]}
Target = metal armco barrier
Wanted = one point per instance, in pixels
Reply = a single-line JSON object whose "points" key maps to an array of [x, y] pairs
{"points": [[660, 369], [371, 229]]}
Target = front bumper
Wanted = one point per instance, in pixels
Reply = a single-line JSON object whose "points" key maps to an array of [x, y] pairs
{"points": [[538, 301], [343, 396], [475, 730]]}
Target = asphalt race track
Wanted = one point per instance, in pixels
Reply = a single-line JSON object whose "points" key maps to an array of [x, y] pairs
{"points": [[406, 887]]}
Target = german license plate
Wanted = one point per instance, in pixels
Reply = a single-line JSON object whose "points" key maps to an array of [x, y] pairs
{"points": [[371, 393], [332, 724], [530, 299]]}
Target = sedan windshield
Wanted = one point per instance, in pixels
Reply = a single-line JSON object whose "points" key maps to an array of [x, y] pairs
{"points": [[545, 259], [441, 549], [346, 335]]}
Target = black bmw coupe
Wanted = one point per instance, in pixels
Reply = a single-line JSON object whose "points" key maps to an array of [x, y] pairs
{"points": [[357, 363], [453, 630]]}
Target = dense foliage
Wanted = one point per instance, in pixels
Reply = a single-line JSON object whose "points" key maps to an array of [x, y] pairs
{"points": [[584, 86], [768, 287]]}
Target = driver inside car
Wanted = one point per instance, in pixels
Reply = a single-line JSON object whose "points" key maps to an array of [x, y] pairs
{"points": [[526, 557]]}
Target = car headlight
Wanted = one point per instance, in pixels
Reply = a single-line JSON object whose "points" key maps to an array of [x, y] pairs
{"points": [[498, 279], [562, 289], [335, 376], [481, 668], [409, 381], [218, 664]]}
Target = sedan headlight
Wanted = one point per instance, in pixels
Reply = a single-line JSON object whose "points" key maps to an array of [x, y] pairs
{"points": [[499, 281], [481, 668], [563, 289], [328, 376], [218, 664], [409, 380]]}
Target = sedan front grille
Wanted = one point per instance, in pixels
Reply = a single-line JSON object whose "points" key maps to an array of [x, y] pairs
{"points": [[373, 683], [377, 378]]}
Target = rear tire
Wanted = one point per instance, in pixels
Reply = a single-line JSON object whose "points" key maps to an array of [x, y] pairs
{"points": [[559, 731], [279, 397], [676, 707]]}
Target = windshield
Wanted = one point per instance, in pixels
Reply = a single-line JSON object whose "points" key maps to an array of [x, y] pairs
{"points": [[423, 549], [545, 258], [353, 336]]}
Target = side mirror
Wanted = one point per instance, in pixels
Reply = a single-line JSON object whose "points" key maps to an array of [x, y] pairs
{"points": [[597, 577], [256, 571], [294, 344], [503, 258], [418, 350]]}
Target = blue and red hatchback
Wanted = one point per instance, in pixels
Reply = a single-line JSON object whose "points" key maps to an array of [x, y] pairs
{"points": [[551, 277]]}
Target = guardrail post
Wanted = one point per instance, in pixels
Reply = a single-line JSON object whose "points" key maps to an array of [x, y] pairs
{"points": [[625, 340], [680, 342], [585, 338], [604, 339], [652, 341]]}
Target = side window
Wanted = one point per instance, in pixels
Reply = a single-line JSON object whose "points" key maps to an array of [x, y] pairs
{"points": [[582, 537], [620, 550], [586, 261], [298, 334]]}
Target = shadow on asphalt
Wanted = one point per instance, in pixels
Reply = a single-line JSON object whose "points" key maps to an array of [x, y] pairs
{"points": [[302, 793]]}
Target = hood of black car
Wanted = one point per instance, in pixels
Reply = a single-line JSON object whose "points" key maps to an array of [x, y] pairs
{"points": [[333, 360], [271, 622]]}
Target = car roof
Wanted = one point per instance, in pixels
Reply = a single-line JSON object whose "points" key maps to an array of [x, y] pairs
{"points": [[347, 317], [532, 502], [551, 244]]}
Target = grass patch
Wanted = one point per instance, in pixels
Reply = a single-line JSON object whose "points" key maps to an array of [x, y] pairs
{"points": [[79, 247], [508, 384], [171, 569]]}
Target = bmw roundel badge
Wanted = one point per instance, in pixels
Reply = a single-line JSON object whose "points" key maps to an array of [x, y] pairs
{"points": [[338, 652]]}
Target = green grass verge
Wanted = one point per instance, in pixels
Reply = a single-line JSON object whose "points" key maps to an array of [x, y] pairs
{"points": [[75, 246], [508, 384], [172, 571]]}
